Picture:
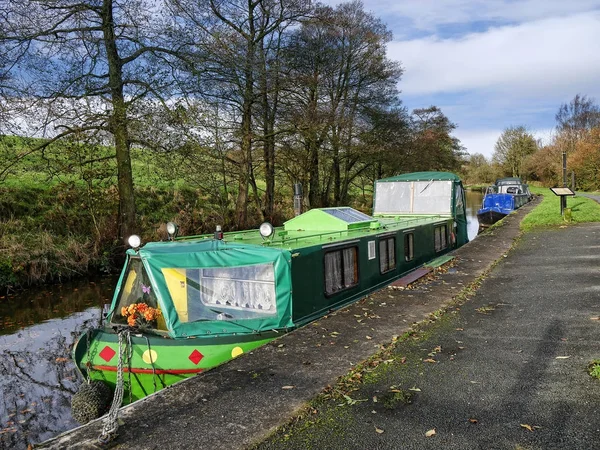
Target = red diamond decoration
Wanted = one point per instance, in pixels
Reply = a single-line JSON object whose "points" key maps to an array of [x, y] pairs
{"points": [[107, 353], [196, 357]]}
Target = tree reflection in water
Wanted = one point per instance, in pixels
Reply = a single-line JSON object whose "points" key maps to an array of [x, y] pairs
{"points": [[37, 376]]}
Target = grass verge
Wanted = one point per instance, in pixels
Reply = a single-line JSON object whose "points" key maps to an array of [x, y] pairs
{"points": [[547, 213]]}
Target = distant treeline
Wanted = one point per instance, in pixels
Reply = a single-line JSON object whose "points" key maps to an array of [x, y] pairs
{"points": [[518, 153]]}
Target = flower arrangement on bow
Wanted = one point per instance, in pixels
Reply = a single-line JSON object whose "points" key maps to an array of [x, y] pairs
{"points": [[140, 314]]}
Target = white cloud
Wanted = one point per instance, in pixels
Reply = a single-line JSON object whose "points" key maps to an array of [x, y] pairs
{"points": [[546, 56], [428, 15], [483, 141]]}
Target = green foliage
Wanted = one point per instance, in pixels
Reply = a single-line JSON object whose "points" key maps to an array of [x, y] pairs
{"points": [[513, 146], [547, 213], [594, 369]]}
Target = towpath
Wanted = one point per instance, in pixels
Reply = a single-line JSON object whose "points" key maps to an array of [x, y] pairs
{"points": [[511, 360]]}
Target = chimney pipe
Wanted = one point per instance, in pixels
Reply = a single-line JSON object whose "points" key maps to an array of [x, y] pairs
{"points": [[297, 199]]}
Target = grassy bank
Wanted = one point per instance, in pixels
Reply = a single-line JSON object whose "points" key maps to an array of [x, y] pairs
{"points": [[547, 213]]}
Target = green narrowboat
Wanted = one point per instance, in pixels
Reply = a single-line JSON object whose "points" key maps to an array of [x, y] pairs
{"points": [[192, 303]]}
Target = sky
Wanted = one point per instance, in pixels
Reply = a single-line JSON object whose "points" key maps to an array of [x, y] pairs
{"points": [[492, 64]]}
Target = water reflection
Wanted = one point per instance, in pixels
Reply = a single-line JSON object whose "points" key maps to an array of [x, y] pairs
{"points": [[38, 377], [474, 199]]}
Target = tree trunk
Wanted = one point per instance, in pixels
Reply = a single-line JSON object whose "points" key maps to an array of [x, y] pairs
{"points": [[126, 220]]}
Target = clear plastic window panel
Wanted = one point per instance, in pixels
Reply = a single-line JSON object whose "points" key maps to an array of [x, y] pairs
{"points": [[135, 288], [224, 293], [419, 197]]}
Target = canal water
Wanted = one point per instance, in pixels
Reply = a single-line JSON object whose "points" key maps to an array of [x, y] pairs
{"points": [[37, 330]]}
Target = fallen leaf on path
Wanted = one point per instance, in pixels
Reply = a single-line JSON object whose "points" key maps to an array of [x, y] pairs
{"points": [[368, 337], [527, 427], [288, 387], [595, 318], [430, 433], [473, 420], [414, 389], [562, 357], [429, 360], [378, 430]]}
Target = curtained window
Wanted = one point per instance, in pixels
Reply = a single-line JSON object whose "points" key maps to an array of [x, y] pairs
{"points": [[387, 254], [341, 269], [440, 240], [409, 246]]}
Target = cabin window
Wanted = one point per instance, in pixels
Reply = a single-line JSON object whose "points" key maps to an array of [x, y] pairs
{"points": [[440, 238], [135, 288], [222, 293], [409, 246], [341, 269], [387, 254]]}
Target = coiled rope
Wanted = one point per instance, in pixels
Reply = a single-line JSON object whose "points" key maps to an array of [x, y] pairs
{"points": [[110, 423]]}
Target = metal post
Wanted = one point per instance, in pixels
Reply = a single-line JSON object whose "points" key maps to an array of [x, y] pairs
{"points": [[563, 198]]}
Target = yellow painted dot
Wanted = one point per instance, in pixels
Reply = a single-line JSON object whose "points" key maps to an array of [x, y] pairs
{"points": [[149, 356], [237, 351]]}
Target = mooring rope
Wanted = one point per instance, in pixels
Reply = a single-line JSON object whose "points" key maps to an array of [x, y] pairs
{"points": [[110, 424]]}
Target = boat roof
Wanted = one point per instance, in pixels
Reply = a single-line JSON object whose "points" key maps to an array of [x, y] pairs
{"points": [[300, 232], [422, 176]]}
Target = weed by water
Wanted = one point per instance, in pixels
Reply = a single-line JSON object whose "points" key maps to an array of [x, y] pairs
{"points": [[594, 369]]}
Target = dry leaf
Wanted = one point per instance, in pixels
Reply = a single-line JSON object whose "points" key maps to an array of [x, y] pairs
{"points": [[414, 389], [287, 387], [527, 427], [379, 430], [430, 433], [368, 337], [59, 360], [595, 318], [473, 420], [429, 360], [562, 357]]}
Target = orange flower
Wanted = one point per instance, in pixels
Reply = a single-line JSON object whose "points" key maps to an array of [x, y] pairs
{"points": [[149, 315], [131, 308], [131, 321], [142, 307], [124, 311]]}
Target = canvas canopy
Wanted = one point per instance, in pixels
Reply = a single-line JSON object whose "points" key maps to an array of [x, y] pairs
{"points": [[423, 193], [210, 287]]}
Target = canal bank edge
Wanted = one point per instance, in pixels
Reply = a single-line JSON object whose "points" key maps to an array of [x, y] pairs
{"points": [[242, 402]]}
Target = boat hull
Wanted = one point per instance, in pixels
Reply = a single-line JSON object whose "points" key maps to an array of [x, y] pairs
{"points": [[490, 217], [156, 362]]}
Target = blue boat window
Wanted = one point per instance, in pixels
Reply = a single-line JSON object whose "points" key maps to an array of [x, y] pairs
{"points": [[222, 293], [409, 246], [440, 238], [341, 269], [387, 254], [136, 289]]}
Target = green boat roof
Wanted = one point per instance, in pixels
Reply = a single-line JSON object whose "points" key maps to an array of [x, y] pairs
{"points": [[422, 176]]}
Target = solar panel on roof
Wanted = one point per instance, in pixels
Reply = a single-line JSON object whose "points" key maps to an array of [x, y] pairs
{"points": [[348, 215]]}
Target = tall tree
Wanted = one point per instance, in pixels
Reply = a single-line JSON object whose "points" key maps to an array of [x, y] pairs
{"points": [[514, 145], [433, 147], [82, 66], [233, 45], [343, 74]]}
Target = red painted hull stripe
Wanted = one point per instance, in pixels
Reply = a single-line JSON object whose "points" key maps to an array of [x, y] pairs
{"points": [[150, 371]]}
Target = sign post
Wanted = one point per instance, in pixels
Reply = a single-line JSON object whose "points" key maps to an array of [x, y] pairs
{"points": [[563, 193]]}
